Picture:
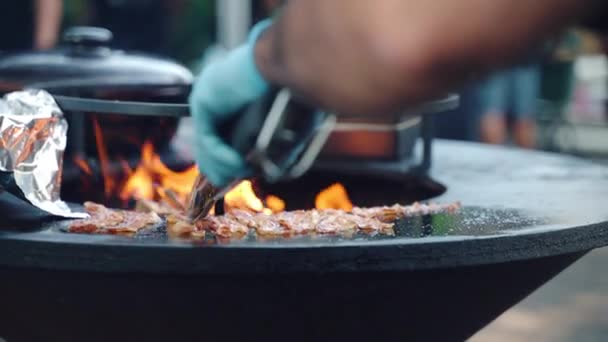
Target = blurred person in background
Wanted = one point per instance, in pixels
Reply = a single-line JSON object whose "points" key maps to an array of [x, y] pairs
{"points": [[29, 24], [558, 70], [510, 99], [511, 96]]}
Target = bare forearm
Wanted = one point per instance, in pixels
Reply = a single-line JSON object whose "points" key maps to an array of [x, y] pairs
{"points": [[361, 56], [48, 17]]}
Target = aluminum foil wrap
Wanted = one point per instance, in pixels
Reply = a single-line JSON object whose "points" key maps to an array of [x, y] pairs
{"points": [[33, 136]]}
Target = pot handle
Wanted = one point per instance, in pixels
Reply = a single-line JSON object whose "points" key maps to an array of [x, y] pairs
{"points": [[76, 104], [87, 36]]}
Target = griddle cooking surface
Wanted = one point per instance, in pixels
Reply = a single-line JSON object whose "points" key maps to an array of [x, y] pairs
{"points": [[517, 205], [469, 221]]}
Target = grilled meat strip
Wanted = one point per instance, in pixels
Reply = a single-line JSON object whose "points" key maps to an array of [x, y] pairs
{"points": [[113, 221], [238, 223]]}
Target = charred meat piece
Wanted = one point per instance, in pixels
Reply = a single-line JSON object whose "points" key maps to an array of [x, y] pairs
{"points": [[392, 213], [112, 221], [264, 225], [238, 223], [335, 222], [373, 226], [299, 222], [376, 220], [180, 227], [341, 222], [223, 226], [382, 214], [245, 217]]}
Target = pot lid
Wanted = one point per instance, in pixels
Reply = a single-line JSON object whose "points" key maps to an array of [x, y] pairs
{"points": [[84, 54], [84, 74]]}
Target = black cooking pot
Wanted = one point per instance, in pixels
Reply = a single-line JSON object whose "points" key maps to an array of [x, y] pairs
{"points": [[85, 67]]}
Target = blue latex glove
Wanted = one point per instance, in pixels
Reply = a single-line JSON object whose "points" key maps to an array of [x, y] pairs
{"points": [[221, 90]]}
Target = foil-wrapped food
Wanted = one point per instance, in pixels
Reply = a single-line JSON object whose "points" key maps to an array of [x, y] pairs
{"points": [[33, 137]]}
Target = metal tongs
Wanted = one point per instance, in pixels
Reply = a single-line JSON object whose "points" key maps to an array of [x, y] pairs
{"points": [[280, 139]]}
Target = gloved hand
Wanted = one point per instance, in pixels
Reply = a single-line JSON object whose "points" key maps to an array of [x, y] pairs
{"points": [[221, 90]]}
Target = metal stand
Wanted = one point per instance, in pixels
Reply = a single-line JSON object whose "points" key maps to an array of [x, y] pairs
{"points": [[233, 22]]}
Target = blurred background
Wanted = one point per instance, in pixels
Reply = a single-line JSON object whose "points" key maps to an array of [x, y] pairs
{"points": [[555, 100], [179, 29]]}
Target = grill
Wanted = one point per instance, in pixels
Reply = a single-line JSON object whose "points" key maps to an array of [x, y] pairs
{"points": [[442, 277]]}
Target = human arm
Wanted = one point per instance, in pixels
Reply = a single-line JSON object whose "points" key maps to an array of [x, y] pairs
{"points": [[364, 57], [47, 23], [223, 88], [368, 57]]}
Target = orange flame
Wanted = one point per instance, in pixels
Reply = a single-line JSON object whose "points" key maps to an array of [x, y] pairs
{"points": [[275, 204], [83, 165], [140, 185], [108, 181], [334, 197], [243, 197], [153, 180]]}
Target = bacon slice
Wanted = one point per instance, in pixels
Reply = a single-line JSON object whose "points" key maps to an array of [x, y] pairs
{"points": [[113, 221]]}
